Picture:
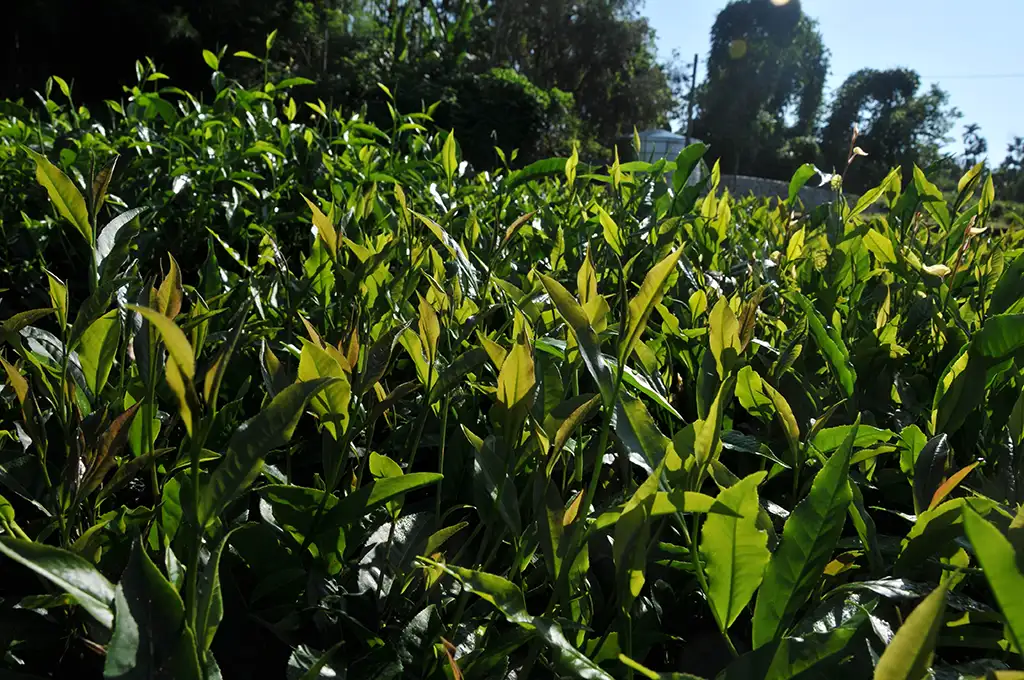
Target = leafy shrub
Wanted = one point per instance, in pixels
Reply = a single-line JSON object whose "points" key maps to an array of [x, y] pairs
{"points": [[502, 108], [333, 404]]}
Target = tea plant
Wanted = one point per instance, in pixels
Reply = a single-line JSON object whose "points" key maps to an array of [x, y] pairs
{"points": [[415, 419]]}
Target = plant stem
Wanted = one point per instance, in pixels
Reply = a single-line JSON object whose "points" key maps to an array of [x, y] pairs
{"points": [[444, 433]]}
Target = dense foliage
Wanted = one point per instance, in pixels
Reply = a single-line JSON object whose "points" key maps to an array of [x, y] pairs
{"points": [[531, 75], [297, 394]]}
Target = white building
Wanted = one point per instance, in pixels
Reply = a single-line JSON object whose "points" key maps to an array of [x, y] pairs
{"points": [[662, 144]]}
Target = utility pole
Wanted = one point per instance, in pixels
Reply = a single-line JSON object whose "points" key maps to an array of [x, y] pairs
{"points": [[693, 96]]}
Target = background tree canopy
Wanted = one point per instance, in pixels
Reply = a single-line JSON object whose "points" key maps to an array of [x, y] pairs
{"points": [[529, 77], [900, 124], [763, 94]]}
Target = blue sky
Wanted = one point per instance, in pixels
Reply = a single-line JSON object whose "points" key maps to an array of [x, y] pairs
{"points": [[950, 42]]}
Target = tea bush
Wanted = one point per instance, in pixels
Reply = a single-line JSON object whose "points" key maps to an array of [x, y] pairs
{"points": [[287, 393]]}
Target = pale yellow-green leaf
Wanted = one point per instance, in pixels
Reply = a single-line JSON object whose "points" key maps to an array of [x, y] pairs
{"points": [[175, 341], [880, 246], [170, 293], [708, 441], [611, 231], [644, 302], [698, 303], [724, 334], [516, 379], [495, 352], [909, 655], [586, 280], [570, 165], [795, 247], [185, 393], [448, 159], [331, 404], [64, 195], [323, 225], [430, 330], [58, 298], [734, 549]]}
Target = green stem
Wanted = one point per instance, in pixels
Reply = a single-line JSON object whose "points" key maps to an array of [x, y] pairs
{"points": [[422, 420], [191, 585], [440, 467], [602, 444]]}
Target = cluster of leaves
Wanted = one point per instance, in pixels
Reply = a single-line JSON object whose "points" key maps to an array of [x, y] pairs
{"points": [[556, 422], [511, 73]]}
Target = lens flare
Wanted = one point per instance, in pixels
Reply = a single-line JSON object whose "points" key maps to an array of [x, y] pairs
{"points": [[780, 3]]}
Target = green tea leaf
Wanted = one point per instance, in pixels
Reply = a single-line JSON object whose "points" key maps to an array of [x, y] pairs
{"points": [[880, 246], [734, 549], [647, 298], [98, 349], [253, 439], [150, 638], [1000, 337], [1000, 563], [909, 655], [667, 503], [354, 507], [800, 178], [492, 480], [508, 599], [64, 195], [452, 246], [762, 400], [835, 353], [68, 571], [175, 341], [829, 439], [808, 539], [929, 470], [632, 534], [794, 657], [724, 334], [586, 338], [211, 601], [295, 510]]}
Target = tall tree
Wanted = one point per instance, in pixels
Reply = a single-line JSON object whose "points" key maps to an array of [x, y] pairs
{"points": [[1010, 176], [766, 73], [898, 123], [975, 146], [426, 53], [600, 51]]}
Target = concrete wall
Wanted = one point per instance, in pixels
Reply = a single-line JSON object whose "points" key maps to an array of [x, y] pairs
{"points": [[812, 196]]}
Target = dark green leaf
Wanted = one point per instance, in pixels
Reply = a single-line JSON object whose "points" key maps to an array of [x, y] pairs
{"points": [[268, 430], [150, 639], [808, 539], [68, 571]]}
